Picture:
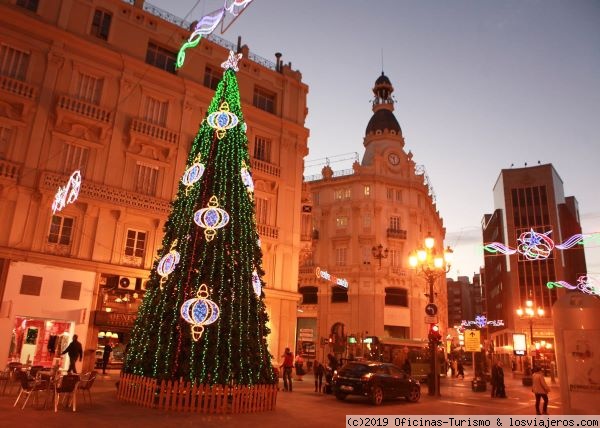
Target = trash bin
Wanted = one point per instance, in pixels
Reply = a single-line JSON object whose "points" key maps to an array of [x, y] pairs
{"points": [[478, 385]]}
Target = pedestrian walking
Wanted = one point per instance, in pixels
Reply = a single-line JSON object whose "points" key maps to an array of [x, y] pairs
{"points": [[460, 370], [540, 389], [500, 387], [318, 371], [494, 378], [106, 356], [406, 366], [74, 351], [288, 365]]}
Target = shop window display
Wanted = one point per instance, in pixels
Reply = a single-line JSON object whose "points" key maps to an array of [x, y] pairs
{"points": [[38, 341]]}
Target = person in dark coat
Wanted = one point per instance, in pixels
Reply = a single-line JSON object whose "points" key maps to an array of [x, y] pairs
{"points": [[106, 357], [74, 351], [406, 366], [318, 371], [460, 370], [500, 388], [494, 379]]}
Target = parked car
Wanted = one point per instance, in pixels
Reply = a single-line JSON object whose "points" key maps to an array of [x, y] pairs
{"points": [[375, 380]]}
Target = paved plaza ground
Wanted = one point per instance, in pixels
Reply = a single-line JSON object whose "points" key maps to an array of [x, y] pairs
{"points": [[300, 408]]}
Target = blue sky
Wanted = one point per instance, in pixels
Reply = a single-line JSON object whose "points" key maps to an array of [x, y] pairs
{"points": [[480, 85]]}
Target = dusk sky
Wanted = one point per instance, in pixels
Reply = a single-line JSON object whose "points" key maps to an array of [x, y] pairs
{"points": [[480, 85]]}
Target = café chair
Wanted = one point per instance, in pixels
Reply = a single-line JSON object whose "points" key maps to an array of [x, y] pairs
{"points": [[85, 385], [67, 387], [29, 386]]}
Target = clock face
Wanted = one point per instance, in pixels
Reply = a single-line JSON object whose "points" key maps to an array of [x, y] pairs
{"points": [[394, 159]]}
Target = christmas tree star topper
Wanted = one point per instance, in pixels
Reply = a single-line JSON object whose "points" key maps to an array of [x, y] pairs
{"points": [[232, 61]]}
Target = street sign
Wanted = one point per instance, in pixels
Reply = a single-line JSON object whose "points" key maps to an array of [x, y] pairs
{"points": [[472, 341], [431, 320], [431, 309]]}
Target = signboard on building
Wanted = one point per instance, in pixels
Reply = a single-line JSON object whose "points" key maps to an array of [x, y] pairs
{"points": [[472, 341], [519, 344]]}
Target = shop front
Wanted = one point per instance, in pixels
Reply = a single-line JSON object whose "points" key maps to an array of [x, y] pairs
{"points": [[39, 342]]}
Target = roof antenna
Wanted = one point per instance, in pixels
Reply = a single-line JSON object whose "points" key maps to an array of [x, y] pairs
{"points": [[382, 61]]}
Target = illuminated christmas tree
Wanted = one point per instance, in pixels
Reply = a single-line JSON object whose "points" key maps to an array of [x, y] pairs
{"points": [[203, 317]]}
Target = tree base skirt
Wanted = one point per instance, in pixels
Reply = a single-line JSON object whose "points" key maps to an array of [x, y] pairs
{"points": [[182, 396]]}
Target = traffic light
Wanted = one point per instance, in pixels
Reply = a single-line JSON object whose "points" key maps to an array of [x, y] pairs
{"points": [[434, 333]]}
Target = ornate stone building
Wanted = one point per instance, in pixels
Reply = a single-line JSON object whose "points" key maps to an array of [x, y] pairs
{"points": [[385, 200], [91, 86]]}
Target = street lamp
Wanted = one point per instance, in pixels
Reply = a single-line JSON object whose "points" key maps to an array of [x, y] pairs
{"points": [[430, 265], [530, 313], [379, 253]]}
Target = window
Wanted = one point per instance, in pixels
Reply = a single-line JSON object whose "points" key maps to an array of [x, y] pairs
{"points": [[155, 111], [339, 295], [212, 77], [5, 134], [70, 290], [135, 245], [398, 195], [396, 258], [161, 57], [397, 331], [367, 190], [61, 230], [13, 62], [146, 179], [89, 88], [264, 100], [262, 149], [310, 295], [341, 221], [262, 210], [395, 223], [31, 285], [340, 256], [367, 221], [396, 297], [340, 194], [316, 199], [101, 24], [390, 194], [74, 158], [31, 5]]}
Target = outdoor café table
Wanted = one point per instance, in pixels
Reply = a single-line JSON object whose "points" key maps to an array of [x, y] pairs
{"points": [[50, 377]]}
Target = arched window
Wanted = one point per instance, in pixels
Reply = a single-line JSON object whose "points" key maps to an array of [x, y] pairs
{"points": [[309, 295], [396, 297], [339, 295]]}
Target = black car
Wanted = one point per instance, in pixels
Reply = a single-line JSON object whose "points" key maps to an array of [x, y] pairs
{"points": [[375, 380]]}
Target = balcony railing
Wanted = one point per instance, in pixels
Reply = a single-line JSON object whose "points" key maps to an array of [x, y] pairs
{"points": [[83, 108], [268, 231], [17, 87], [156, 132], [9, 170], [58, 249], [266, 167], [396, 233]]}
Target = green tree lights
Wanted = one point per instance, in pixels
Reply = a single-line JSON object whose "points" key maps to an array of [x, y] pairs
{"points": [[232, 348]]}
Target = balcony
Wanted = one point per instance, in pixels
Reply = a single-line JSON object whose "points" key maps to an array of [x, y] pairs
{"points": [[264, 230], [9, 170], [266, 167], [17, 87], [58, 249], [155, 132], [92, 112], [396, 233]]}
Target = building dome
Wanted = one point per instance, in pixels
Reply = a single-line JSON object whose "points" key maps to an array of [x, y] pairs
{"points": [[383, 106], [383, 120]]}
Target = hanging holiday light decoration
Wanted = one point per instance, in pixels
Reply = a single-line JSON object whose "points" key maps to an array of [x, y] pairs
{"points": [[232, 61], [211, 218], [167, 264], [67, 194], [222, 120], [236, 6], [585, 284], [256, 283], [538, 246], [199, 311], [193, 173], [247, 179]]}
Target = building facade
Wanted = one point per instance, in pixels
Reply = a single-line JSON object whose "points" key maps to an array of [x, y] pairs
{"points": [[91, 86], [359, 227], [529, 200]]}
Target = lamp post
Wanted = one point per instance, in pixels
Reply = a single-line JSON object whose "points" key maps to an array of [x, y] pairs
{"points": [[379, 253], [432, 266], [530, 314]]}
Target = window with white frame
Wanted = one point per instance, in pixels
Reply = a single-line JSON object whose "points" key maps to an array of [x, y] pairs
{"points": [[395, 223], [262, 210], [155, 111], [135, 244], [5, 134], [61, 230], [89, 88], [262, 149], [367, 190], [341, 254], [264, 99], [146, 179], [396, 258], [13, 62], [74, 158], [341, 221]]}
